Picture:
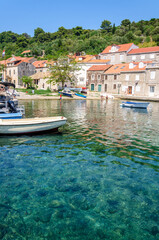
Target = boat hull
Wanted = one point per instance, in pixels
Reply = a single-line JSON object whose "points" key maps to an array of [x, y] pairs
{"points": [[80, 95], [142, 105], [31, 125], [66, 94]]}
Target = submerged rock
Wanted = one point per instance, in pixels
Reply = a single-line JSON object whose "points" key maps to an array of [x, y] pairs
{"points": [[154, 230], [43, 215]]}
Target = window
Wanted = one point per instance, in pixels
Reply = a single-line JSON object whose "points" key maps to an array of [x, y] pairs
{"points": [[142, 56], [133, 58], [114, 86], [106, 77], [137, 77], [9, 72], [141, 65], [127, 77], [112, 58], [152, 89], [115, 77], [99, 76], [14, 72], [131, 65], [121, 57], [122, 67], [92, 77], [81, 79], [152, 56], [152, 74]]}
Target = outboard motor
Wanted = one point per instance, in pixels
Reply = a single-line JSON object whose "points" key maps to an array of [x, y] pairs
{"points": [[11, 106]]}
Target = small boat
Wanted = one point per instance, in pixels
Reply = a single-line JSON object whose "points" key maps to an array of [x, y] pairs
{"points": [[30, 125], [9, 107], [143, 105], [80, 95], [84, 90], [66, 92], [76, 89], [5, 115]]}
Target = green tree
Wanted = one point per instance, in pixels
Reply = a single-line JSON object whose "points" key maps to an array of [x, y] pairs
{"points": [[37, 31], [114, 28], [106, 25], [63, 71], [125, 22], [27, 80], [22, 41]]}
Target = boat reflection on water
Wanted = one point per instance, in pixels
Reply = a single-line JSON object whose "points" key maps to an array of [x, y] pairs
{"points": [[140, 110]]}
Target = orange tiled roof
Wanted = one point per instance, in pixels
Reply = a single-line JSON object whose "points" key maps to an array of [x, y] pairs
{"points": [[99, 67], [144, 50], [27, 51], [40, 64], [15, 59], [99, 61], [82, 58], [118, 68], [122, 48]]}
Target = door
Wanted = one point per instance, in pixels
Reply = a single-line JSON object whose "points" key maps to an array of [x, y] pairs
{"points": [[129, 89], [99, 88], [92, 87]]}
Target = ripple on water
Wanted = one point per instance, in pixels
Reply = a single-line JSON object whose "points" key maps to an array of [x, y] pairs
{"points": [[96, 180]]}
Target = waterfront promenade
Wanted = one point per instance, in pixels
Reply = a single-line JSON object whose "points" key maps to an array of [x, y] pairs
{"points": [[90, 96]]}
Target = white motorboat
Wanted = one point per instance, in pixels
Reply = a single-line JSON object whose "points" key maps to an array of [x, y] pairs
{"points": [[30, 125]]}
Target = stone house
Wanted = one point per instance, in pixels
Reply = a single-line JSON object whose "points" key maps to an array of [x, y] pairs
{"points": [[133, 79], [96, 78], [117, 53], [84, 63], [42, 65], [152, 80], [16, 68], [40, 81], [143, 54]]}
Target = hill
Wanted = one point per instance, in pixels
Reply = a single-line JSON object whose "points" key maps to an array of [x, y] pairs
{"points": [[65, 41]]}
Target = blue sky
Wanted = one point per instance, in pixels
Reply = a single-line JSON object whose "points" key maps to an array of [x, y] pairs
{"points": [[24, 16]]}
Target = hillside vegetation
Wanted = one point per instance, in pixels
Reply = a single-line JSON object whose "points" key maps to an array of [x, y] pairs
{"points": [[65, 41]]}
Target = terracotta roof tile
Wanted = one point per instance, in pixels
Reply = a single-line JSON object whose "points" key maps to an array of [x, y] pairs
{"points": [[27, 51], [40, 75], [144, 50], [118, 68], [122, 48], [99, 67], [42, 63], [99, 61]]}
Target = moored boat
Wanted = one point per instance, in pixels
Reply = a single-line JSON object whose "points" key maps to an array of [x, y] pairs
{"points": [[9, 106], [5, 115], [80, 95], [30, 125], [128, 104], [66, 92]]}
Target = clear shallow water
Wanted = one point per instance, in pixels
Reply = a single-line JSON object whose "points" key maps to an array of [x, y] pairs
{"points": [[97, 179]]}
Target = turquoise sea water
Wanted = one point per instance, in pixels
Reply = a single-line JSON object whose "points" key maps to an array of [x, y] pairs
{"points": [[97, 179]]}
